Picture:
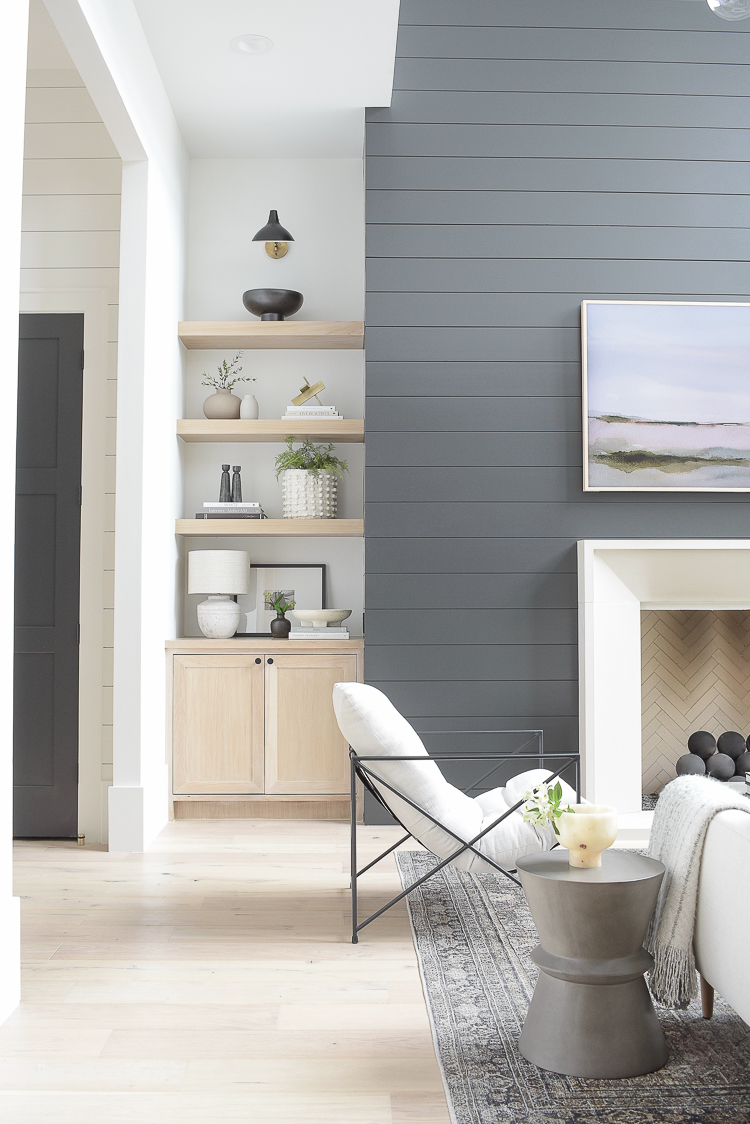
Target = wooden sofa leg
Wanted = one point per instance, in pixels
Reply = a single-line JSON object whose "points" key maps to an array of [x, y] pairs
{"points": [[707, 999]]}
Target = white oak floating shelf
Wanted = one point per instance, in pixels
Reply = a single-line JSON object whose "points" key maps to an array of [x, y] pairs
{"points": [[330, 335], [271, 429], [271, 528]]}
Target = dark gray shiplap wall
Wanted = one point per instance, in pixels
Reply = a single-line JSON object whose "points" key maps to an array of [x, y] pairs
{"points": [[537, 152]]}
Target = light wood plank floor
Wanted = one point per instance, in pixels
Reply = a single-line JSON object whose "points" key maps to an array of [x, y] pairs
{"points": [[212, 980]]}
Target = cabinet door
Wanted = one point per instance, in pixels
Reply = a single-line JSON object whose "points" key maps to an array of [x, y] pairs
{"points": [[218, 724], [305, 751]]}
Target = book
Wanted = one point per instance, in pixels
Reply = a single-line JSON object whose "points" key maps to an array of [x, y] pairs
{"points": [[309, 633], [221, 505], [314, 632], [317, 636], [240, 509], [230, 515], [310, 408], [310, 417]]}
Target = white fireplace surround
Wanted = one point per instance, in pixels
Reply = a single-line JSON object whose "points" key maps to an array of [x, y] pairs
{"points": [[617, 578]]}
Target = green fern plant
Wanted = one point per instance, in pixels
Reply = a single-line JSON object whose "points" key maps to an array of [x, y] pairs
{"points": [[314, 458]]}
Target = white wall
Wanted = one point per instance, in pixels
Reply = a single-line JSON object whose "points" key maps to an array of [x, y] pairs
{"points": [[109, 49], [12, 88], [321, 202], [70, 263]]}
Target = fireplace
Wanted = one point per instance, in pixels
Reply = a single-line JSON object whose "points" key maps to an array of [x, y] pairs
{"points": [[618, 580], [695, 675]]}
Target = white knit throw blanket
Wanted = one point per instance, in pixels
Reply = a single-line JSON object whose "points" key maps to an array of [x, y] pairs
{"points": [[684, 810]]}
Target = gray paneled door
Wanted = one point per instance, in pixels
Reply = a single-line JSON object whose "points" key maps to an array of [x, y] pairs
{"points": [[48, 531]]}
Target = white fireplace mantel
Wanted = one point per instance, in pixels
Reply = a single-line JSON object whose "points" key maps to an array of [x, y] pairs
{"points": [[617, 578]]}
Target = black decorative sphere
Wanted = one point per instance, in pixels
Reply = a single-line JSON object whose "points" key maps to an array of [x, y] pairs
{"points": [[689, 764], [731, 743], [720, 766], [742, 764], [702, 743], [272, 304]]}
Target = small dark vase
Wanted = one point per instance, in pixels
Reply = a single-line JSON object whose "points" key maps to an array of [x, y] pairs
{"points": [[272, 304], [281, 627]]}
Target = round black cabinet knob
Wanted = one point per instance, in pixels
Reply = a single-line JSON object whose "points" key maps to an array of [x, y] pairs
{"points": [[702, 743], [731, 743], [691, 763], [259, 660], [270, 661]]}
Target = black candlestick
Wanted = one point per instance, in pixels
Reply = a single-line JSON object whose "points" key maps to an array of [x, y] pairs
{"points": [[236, 484], [225, 487]]}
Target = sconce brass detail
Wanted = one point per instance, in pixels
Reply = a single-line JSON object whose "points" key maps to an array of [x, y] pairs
{"points": [[277, 249]]}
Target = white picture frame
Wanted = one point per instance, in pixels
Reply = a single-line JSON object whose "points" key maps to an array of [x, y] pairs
{"points": [[666, 396]]}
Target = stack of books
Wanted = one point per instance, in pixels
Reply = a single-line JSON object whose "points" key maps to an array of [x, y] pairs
{"points": [[219, 510], [310, 410], [308, 632]]}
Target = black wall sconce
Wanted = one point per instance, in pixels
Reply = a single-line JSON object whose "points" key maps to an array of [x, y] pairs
{"points": [[275, 236]]}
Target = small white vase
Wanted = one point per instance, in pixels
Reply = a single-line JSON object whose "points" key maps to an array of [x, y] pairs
{"points": [[309, 497], [587, 831], [218, 616], [249, 407]]}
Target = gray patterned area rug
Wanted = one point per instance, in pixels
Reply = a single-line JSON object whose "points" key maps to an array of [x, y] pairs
{"points": [[473, 935]]}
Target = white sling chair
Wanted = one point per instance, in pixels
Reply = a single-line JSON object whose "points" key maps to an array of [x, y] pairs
{"points": [[481, 835]]}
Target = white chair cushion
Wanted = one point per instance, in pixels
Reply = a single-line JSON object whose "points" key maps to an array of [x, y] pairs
{"points": [[373, 726]]}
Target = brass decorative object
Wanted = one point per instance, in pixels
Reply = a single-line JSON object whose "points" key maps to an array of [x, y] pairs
{"points": [[307, 392], [277, 249], [81, 839]]}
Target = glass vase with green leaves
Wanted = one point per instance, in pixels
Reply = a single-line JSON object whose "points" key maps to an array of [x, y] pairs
{"points": [[544, 806]]}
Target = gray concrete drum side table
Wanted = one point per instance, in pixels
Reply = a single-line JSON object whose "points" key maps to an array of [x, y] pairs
{"points": [[591, 1014]]}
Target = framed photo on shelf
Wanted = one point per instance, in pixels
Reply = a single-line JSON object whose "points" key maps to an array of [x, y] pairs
{"points": [[666, 396], [304, 583]]}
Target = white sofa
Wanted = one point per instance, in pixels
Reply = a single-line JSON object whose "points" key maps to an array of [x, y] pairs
{"points": [[722, 925]]}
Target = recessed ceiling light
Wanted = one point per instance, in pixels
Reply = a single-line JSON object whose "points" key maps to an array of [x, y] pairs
{"points": [[251, 45], [730, 9]]}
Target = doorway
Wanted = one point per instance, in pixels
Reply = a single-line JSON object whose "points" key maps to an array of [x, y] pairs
{"points": [[47, 557]]}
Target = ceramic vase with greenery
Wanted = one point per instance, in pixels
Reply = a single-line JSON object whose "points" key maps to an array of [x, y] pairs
{"points": [[223, 404], [310, 481], [280, 626]]}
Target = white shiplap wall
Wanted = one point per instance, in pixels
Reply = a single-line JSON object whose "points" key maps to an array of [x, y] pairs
{"points": [[71, 233]]}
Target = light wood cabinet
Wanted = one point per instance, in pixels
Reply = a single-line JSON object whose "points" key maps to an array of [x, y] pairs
{"points": [[217, 742], [253, 720], [305, 750]]}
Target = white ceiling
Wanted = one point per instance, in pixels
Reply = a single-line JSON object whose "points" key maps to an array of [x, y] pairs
{"points": [[331, 58]]}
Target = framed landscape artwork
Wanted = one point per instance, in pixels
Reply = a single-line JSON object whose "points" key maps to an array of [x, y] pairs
{"points": [[666, 396]]}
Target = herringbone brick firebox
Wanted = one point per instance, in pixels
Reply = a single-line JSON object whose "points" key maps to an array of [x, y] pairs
{"points": [[695, 676]]}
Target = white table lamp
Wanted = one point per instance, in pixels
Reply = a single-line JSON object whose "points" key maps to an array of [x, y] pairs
{"points": [[220, 574]]}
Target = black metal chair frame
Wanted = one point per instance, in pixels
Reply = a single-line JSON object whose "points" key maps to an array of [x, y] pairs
{"points": [[361, 771]]}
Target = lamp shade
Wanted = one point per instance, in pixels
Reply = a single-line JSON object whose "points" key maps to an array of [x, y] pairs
{"points": [[218, 571], [273, 231]]}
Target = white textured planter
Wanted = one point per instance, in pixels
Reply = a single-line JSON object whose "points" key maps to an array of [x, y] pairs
{"points": [[309, 497]]}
